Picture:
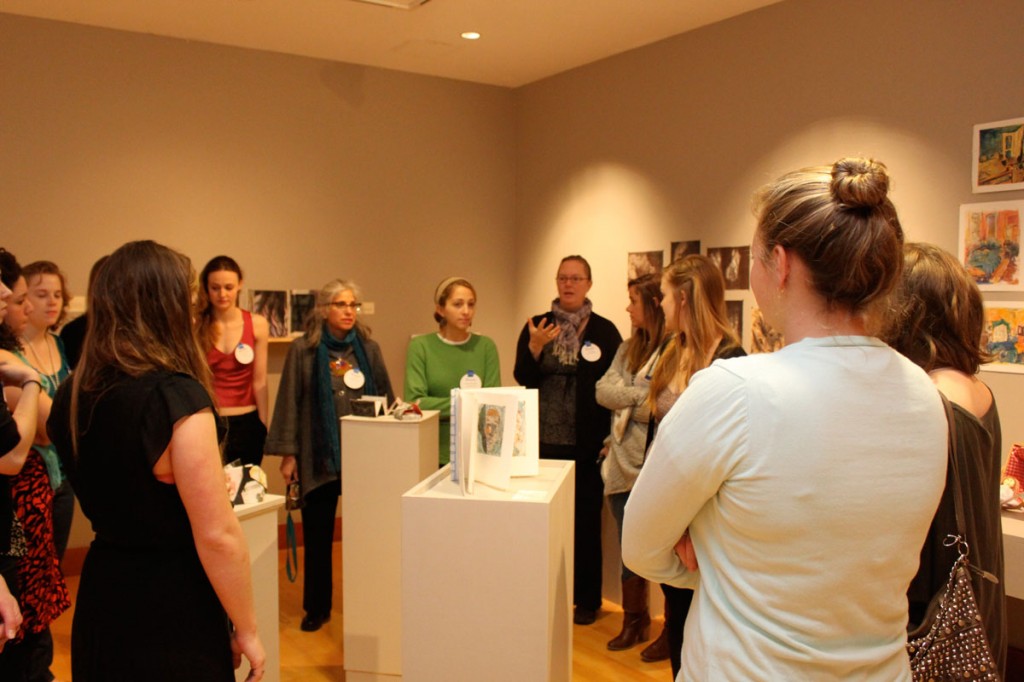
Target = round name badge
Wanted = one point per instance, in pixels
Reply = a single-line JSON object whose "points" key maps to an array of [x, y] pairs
{"points": [[244, 353], [470, 380], [355, 379], [590, 352]]}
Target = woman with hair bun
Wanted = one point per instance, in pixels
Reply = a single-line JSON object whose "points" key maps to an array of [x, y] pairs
{"points": [[453, 357], [937, 322], [800, 482]]}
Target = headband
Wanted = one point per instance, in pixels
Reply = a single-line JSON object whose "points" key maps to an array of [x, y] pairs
{"points": [[445, 283]]}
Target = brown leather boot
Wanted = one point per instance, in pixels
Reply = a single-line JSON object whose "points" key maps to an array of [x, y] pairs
{"points": [[636, 619], [658, 649]]}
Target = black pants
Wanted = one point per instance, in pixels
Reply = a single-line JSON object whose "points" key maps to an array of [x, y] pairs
{"points": [[589, 502], [245, 438], [14, 657], [677, 607], [318, 515]]}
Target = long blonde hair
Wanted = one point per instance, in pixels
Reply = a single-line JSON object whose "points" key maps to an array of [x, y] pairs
{"points": [[687, 353]]}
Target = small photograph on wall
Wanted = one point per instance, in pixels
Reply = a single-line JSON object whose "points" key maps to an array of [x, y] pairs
{"points": [[300, 303], [680, 249], [1003, 336], [764, 339], [989, 244], [998, 160], [734, 262], [734, 309], [273, 305], [644, 263]]}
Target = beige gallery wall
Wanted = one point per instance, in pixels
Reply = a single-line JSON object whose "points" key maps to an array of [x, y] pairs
{"points": [[303, 170], [670, 141]]}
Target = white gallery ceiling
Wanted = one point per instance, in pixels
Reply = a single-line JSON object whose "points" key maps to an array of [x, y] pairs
{"points": [[521, 41]]}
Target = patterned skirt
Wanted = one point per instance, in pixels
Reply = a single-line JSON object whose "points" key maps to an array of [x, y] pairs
{"points": [[43, 594]]}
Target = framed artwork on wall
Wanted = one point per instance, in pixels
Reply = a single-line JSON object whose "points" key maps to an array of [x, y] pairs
{"points": [[734, 262], [1003, 336], [989, 244], [998, 159], [764, 339], [734, 309], [680, 249], [273, 305], [644, 263], [301, 303]]}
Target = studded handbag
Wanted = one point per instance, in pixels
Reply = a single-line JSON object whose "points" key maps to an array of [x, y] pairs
{"points": [[950, 644]]}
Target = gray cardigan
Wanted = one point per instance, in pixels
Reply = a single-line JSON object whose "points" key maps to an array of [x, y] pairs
{"points": [[291, 429], [620, 390]]}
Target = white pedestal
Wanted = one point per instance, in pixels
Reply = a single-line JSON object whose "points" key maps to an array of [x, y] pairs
{"points": [[487, 579], [1013, 553], [382, 458], [259, 523]]}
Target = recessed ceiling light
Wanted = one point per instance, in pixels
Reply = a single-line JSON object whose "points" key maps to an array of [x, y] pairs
{"points": [[471, 35]]}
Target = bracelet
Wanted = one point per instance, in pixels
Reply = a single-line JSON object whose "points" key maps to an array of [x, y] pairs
{"points": [[31, 381]]}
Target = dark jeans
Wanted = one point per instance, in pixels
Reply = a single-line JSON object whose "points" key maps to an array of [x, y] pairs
{"points": [[318, 515], [617, 504], [63, 514], [677, 607], [589, 501], [245, 438]]}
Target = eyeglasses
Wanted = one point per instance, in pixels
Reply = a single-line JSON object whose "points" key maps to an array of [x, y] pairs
{"points": [[341, 305], [575, 279]]}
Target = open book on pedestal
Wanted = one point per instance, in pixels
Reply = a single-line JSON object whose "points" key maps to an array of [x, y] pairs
{"points": [[495, 435]]}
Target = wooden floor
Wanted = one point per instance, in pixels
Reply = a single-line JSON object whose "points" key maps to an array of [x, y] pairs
{"points": [[318, 656]]}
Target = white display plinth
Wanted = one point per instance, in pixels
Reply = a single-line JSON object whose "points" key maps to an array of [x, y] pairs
{"points": [[487, 579], [383, 457], [1013, 553], [259, 524]]}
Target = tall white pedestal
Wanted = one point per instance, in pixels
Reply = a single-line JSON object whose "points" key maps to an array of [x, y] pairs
{"points": [[259, 524], [382, 458], [487, 579]]}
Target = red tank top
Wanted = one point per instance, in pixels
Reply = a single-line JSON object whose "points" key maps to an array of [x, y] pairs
{"points": [[232, 380]]}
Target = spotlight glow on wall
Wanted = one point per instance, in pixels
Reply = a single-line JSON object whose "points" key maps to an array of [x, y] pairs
{"points": [[471, 35]]}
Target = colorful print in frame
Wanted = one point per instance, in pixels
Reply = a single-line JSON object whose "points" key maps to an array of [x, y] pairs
{"points": [[1003, 336], [989, 244], [998, 160]]}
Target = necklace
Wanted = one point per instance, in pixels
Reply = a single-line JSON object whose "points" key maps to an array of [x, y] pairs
{"points": [[49, 356]]}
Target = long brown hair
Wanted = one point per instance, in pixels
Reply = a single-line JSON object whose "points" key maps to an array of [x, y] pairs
{"points": [[204, 315], [645, 340], [687, 353], [139, 321], [938, 314]]}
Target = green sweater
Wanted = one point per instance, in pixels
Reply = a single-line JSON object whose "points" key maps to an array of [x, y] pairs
{"points": [[434, 367]]}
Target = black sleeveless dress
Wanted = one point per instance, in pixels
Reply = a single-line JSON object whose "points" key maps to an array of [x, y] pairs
{"points": [[145, 608]]}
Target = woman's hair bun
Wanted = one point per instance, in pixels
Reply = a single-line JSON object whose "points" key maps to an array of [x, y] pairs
{"points": [[859, 183]]}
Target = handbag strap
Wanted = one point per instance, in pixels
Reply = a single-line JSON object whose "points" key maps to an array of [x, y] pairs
{"points": [[291, 553]]}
